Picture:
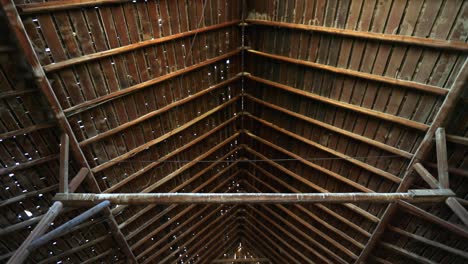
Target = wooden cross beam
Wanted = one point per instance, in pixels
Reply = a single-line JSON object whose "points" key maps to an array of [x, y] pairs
{"points": [[74, 199]]}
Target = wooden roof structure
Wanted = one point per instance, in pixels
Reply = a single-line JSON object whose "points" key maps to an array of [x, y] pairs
{"points": [[226, 109]]}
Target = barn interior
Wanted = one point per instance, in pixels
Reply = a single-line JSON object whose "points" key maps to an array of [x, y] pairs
{"points": [[235, 131]]}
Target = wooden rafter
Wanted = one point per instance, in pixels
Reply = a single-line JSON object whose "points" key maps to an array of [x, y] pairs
{"points": [[338, 130], [424, 147], [392, 38], [357, 74], [44, 85], [358, 109]]}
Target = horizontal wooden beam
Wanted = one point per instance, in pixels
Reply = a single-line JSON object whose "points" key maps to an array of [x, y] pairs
{"points": [[123, 92], [335, 129], [392, 38], [242, 260], [23, 196], [251, 198], [358, 210], [358, 109], [356, 74], [457, 139], [120, 50]]}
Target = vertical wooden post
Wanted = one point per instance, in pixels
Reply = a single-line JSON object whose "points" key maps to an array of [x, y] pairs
{"points": [[22, 253], [442, 165], [64, 162]]}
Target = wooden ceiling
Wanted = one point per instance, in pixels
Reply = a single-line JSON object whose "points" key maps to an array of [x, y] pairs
{"points": [[235, 96]]}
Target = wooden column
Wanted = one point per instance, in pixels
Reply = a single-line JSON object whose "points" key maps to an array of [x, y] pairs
{"points": [[442, 164], [41, 80], [64, 162], [421, 153]]}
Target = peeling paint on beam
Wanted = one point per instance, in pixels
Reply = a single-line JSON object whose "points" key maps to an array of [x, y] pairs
{"points": [[252, 198]]}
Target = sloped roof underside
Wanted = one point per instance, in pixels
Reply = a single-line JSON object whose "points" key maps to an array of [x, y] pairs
{"points": [[236, 96]]}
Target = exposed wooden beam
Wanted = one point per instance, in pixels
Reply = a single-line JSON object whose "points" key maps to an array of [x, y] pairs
{"points": [[75, 182], [42, 82], [209, 231], [23, 196], [372, 169], [153, 142], [453, 171], [311, 228], [426, 241], [152, 165], [26, 130], [326, 210], [442, 164], [356, 74], [211, 239], [312, 185], [28, 164], [143, 85], [276, 223], [255, 236], [195, 216], [277, 237], [64, 163], [33, 8], [358, 109], [406, 253], [157, 112], [76, 249], [74, 199], [161, 227], [433, 219], [200, 225], [457, 139], [59, 231], [124, 49], [146, 209], [98, 257], [426, 176], [335, 129], [22, 253], [421, 153], [458, 209], [391, 38]]}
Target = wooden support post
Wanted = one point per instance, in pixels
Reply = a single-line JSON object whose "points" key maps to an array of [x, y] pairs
{"points": [[68, 225], [78, 179], [64, 162], [252, 198], [426, 176], [22, 252], [442, 165], [458, 209]]}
